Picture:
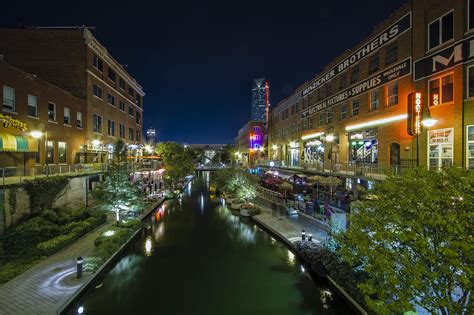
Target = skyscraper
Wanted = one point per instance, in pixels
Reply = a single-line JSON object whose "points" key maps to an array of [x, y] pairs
{"points": [[260, 100]]}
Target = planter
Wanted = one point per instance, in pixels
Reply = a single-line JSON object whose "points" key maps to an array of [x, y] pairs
{"points": [[236, 205]]}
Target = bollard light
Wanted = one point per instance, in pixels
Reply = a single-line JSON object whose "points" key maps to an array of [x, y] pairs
{"points": [[310, 237], [303, 235], [79, 267]]}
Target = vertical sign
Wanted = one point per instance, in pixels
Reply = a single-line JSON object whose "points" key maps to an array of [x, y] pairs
{"points": [[417, 113], [414, 111]]}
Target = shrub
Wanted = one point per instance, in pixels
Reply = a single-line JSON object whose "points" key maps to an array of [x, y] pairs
{"points": [[49, 215], [28, 234], [55, 244], [66, 216], [132, 224]]}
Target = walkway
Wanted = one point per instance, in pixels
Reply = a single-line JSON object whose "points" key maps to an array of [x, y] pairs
{"points": [[46, 286], [289, 228]]}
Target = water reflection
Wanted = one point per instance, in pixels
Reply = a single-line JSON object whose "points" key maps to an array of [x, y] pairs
{"points": [[237, 231], [148, 246]]}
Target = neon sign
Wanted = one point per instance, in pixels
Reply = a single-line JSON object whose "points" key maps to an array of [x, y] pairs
{"points": [[435, 99], [417, 113]]}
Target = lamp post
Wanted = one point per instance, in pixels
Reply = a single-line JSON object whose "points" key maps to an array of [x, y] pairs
{"points": [[38, 134]]}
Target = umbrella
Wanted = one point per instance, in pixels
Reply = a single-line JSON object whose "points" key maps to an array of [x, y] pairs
{"points": [[315, 178], [331, 181], [286, 186]]}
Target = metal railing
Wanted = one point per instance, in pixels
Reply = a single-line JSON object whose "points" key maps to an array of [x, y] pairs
{"points": [[368, 170]]}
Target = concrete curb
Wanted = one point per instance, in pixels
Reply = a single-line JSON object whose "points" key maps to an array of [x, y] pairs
{"points": [[342, 292]]}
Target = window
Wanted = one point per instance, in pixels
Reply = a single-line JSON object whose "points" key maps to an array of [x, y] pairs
{"points": [[355, 107], [111, 128], [122, 83], [8, 98], [62, 152], [374, 63], [441, 95], [139, 101], [342, 81], [320, 94], [111, 75], [329, 117], [51, 111], [355, 74], [310, 122], [441, 30], [130, 134], [470, 5], [328, 89], [97, 62], [374, 99], [32, 105], [122, 105], [97, 123], [79, 120], [111, 99], [139, 137], [470, 147], [440, 148], [49, 158], [322, 119], [97, 91], [130, 111], [392, 93], [470, 80], [343, 113], [131, 92], [122, 131], [67, 116], [391, 53]]}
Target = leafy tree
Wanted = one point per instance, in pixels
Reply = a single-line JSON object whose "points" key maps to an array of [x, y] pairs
{"points": [[415, 241], [227, 154], [177, 161], [117, 193]]}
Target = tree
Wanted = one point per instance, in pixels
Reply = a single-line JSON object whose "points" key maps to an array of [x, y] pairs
{"points": [[227, 154], [117, 193], [177, 161], [415, 241]]}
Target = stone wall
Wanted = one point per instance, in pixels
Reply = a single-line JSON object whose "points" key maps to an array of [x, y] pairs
{"points": [[74, 195]]}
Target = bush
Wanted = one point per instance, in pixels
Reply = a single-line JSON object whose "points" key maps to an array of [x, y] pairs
{"points": [[55, 244], [28, 234], [132, 224], [66, 216], [49, 215]]}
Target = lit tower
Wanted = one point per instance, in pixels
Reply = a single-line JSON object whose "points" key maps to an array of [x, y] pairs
{"points": [[150, 136]]}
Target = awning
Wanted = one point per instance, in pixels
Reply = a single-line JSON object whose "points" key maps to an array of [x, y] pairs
{"points": [[11, 143]]}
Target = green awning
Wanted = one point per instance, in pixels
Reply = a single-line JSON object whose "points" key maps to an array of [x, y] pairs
{"points": [[12, 143]]}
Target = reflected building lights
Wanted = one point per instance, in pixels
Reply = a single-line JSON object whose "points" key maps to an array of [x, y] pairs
{"points": [[302, 269], [291, 258], [201, 202], [148, 246]]}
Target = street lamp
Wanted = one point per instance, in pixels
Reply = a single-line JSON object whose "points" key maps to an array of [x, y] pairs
{"points": [[429, 122], [38, 134]]}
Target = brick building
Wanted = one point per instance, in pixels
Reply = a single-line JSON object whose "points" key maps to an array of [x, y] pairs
{"points": [[250, 142], [38, 106], [73, 60], [401, 97]]}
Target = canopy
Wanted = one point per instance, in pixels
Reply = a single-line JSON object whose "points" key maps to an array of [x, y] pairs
{"points": [[11, 143], [331, 180]]}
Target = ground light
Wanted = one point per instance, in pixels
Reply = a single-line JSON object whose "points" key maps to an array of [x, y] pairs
{"points": [[80, 310]]}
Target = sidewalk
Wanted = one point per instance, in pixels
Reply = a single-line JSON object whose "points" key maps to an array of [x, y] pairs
{"points": [[289, 228], [46, 286]]}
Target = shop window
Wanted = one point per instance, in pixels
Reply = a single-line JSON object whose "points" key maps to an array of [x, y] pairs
{"points": [[9, 99], [441, 90], [49, 158], [343, 113], [79, 120], [97, 123], [441, 30], [322, 119], [355, 107], [51, 111], [392, 93], [32, 105], [97, 91], [440, 148], [374, 63], [470, 147], [363, 147], [67, 116], [355, 74], [98, 63], [374, 99], [111, 128], [62, 152], [391, 53]]}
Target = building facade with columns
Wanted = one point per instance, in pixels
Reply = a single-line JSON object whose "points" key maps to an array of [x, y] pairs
{"points": [[72, 59], [400, 98]]}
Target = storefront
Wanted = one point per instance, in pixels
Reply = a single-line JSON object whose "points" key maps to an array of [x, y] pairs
{"points": [[294, 154], [16, 150], [363, 146], [440, 148], [313, 154]]}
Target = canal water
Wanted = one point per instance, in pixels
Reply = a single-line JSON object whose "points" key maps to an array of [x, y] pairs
{"points": [[197, 258]]}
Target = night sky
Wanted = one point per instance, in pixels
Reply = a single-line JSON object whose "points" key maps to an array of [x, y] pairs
{"points": [[196, 59]]}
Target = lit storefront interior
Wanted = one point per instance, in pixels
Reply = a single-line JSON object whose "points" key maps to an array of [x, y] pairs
{"points": [[363, 146]]}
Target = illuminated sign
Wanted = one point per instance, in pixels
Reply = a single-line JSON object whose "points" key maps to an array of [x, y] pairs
{"points": [[417, 113], [435, 100], [377, 122], [371, 46], [395, 72], [8, 121], [312, 135]]}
